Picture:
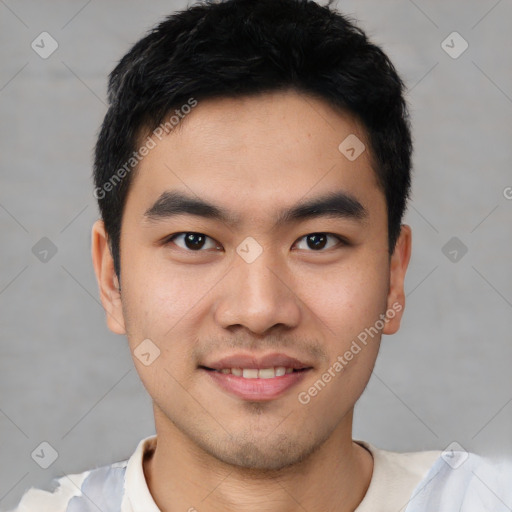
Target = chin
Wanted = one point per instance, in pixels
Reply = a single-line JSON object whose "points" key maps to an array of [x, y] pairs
{"points": [[264, 455]]}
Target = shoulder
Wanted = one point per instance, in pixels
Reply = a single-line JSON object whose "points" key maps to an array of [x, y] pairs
{"points": [[103, 486], [443, 481], [56, 499], [464, 481], [401, 466], [394, 477]]}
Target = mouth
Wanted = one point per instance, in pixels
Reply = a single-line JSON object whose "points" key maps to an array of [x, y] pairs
{"points": [[257, 373], [256, 378]]}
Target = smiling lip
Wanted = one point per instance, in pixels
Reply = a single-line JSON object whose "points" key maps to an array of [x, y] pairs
{"points": [[256, 388], [253, 361]]}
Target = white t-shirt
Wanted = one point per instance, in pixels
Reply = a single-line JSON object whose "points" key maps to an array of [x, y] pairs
{"points": [[401, 482]]}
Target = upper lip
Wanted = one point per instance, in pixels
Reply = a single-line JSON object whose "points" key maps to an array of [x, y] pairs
{"points": [[257, 361]]}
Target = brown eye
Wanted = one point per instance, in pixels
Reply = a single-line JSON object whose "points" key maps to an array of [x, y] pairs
{"points": [[193, 242], [318, 241]]}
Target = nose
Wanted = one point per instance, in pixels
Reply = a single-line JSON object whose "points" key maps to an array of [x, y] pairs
{"points": [[257, 296]]}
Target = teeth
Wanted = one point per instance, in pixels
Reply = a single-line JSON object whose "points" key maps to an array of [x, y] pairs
{"points": [[255, 373], [250, 373], [281, 370], [266, 373]]}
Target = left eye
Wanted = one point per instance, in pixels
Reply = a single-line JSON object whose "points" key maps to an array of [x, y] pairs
{"points": [[197, 241], [319, 240]]}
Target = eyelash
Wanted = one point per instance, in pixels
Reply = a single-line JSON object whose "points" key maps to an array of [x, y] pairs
{"points": [[341, 241]]}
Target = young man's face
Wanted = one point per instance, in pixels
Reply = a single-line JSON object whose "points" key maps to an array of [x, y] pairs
{"points": [[254, 288]]}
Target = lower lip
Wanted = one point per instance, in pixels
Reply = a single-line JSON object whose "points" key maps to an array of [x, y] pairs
{"points": [[256, 389]]}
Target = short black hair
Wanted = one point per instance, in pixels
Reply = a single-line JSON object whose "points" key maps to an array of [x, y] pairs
{"points": [[233, 48]]}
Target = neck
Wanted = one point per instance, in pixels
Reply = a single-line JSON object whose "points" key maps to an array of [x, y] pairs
{"points": [[181, 476]]}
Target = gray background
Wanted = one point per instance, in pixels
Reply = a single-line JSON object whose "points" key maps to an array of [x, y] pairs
{"points": [[65, 379]]}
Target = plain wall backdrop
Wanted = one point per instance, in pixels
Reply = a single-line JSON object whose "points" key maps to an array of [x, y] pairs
{"points": [[66, 380]]}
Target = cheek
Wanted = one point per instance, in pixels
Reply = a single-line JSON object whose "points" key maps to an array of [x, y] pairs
{"points": [[346, 307], [160, 298], [161, 307], [166, 306], [349, 298]]}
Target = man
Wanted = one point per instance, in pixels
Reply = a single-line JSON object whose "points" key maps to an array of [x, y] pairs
{"points": [[252, 173]]}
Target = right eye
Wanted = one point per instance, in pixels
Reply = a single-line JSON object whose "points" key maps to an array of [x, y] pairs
{"points": [[191, 241]]}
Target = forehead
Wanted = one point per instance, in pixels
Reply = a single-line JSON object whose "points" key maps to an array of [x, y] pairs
{"points": [[253, 153]]}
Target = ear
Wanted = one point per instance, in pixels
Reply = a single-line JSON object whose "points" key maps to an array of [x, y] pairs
{"points": [[108, 283], [398, 267]]}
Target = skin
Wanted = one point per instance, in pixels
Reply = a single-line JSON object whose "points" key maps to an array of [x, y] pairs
{"points": [[254, 156]]}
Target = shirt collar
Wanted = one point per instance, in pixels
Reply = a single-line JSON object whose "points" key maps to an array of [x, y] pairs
{"points": [[137, 497]]}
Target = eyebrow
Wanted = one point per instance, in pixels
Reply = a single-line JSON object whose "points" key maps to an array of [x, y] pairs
{"points": [[332, 205]]}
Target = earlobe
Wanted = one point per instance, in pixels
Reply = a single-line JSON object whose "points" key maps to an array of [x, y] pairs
{"points": [[398, 268], [106, 277]]}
